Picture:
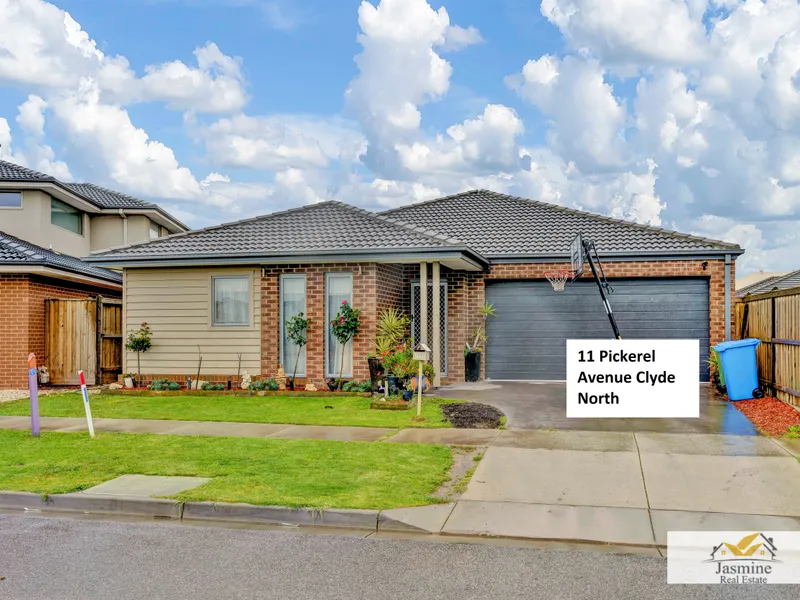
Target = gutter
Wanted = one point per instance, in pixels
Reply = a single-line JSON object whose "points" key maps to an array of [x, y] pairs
{"points": [[627, 255], [311, 256]]}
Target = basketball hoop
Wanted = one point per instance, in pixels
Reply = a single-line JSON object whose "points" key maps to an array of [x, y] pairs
{"points": [[558, 279]]}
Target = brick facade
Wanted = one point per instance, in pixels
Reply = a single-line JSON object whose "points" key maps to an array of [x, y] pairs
{"points": [[22, 320], [366, 296], [379, 286]]}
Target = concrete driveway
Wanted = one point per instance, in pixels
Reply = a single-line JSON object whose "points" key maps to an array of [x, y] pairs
{"points": [[534, 405]]}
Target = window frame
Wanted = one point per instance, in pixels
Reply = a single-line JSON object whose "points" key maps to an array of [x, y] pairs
{"points": [[78, 211], [212, 302], [329, 317], [157, 230], [284, 277], [9, 192]]}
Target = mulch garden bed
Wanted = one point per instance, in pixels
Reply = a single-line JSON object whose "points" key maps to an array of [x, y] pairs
{"points": [[769, 415], [471, 415]]}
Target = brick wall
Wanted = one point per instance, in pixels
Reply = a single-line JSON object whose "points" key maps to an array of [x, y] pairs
{"points": [[22, 320], [365, 298]]}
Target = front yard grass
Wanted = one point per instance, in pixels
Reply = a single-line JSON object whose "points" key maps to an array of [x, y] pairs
{"points": [[293, 410], [299, 473]]}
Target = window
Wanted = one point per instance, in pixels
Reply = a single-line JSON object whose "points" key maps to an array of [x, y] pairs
{"points": [[155, 231], [231, 300], [10, 199], [293, 302], [339, 287], [66, 217]]}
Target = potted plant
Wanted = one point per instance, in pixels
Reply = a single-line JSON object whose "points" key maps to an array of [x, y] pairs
{"points": [[345, 327], [472, 353], [296, 329], [139, 341], [392, 329]]}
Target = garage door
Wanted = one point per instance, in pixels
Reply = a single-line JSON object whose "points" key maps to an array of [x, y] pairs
{"points": [[527, 338]]}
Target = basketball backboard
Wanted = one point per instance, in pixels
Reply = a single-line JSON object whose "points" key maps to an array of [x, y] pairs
{"points": [[577, 253]]}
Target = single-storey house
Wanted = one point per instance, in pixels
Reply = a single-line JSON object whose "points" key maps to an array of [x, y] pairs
{"points": [[226, 291]]}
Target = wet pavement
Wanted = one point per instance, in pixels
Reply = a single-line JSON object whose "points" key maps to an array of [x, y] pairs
{"points": [[534, 405]]}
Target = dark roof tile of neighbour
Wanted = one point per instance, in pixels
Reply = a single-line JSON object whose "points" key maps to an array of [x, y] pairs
{"points": [[317, 228], [106, 198], [497, 224], [771, 284], [14, 251], [12, 172]]}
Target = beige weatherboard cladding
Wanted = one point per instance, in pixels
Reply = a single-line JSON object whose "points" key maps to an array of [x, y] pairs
{"points": [[176, 304]]}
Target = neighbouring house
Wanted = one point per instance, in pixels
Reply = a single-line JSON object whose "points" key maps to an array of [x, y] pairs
{"points": [[773, 283], [228, 290], [756, 277], [46, 226]]}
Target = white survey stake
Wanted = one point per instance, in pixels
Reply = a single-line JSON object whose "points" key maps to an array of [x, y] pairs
{"points": [[633, 379]]}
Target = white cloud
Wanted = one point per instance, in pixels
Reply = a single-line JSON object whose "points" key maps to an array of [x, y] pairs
{"points": [[457, 38], [31, 115], [486, 143], [281, 141], [37, 156], [633, 32], [587, 119]]}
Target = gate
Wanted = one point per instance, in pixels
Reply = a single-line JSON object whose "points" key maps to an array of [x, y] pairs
{"points": [[83, 335]]}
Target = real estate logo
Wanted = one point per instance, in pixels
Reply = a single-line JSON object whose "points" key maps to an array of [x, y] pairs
{"points": [[747, 561], [733, 557]]}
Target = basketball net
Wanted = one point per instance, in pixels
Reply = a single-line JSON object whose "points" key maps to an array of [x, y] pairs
{"points": [[558, 279]]}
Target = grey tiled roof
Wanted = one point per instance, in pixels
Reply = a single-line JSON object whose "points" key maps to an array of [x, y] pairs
{"points": [[11, 172], [771, 284], [105, 198], [94, 194], [497, 224], [14, 251], [322, 228]]}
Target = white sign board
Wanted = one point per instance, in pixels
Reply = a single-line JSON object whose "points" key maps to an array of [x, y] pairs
{"points": [[633, 379], [734, 557]]}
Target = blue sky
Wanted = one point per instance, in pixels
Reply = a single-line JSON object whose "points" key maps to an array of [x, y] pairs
{"points": [[678, 113]]}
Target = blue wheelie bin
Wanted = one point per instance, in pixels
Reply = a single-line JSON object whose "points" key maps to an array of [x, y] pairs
{"points": [[739, 367]]}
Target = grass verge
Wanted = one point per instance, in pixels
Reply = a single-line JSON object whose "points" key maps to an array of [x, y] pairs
{"points": [[346, 410], [299, 473]]}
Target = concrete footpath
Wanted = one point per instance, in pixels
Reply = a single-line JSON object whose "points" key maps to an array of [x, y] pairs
{"points": [[625, 489]]}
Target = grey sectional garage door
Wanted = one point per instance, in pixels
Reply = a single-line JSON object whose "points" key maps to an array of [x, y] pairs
{"points": [[527, 338]]}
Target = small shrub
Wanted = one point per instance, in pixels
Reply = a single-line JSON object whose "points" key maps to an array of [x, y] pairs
{"points": [[163, 385], [212, 387], [357, 386], [264, 384]]}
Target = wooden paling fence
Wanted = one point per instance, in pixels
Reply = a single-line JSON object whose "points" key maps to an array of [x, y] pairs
{"points": [[774, 318], [83, 335]]}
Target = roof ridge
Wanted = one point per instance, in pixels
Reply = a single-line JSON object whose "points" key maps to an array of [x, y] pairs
{"points": [[431, 201], [431, 233], [575, 211]]}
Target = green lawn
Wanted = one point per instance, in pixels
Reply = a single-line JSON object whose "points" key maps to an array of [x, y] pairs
{"points": [[347, 410], [303, 473]]}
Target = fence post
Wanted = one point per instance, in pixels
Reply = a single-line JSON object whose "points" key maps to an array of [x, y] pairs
{"points": [[33, 389], [773, 316]]}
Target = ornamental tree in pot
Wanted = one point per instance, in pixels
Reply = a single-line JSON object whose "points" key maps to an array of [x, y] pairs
{"points": [[345, 327], [472, 353], [296, 331]]}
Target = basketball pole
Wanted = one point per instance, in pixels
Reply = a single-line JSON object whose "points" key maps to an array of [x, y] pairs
{"points": [[588, 251]]}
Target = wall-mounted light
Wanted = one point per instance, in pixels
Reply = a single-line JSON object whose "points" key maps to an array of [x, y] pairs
{"points": [[705, 265]]}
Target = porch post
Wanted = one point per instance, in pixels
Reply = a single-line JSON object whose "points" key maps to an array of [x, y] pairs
{"points": [[437, 325], [423, 303]]}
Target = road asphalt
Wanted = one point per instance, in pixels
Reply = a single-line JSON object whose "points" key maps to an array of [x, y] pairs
{"points": [[50, 558]]}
